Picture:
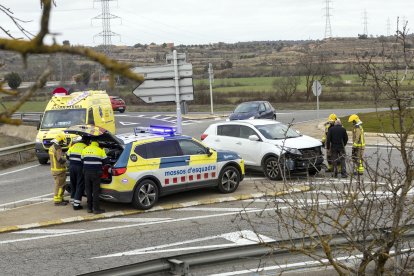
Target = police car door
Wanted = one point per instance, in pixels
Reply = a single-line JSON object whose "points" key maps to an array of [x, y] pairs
{"points": [[172, 169], [202, 165]]}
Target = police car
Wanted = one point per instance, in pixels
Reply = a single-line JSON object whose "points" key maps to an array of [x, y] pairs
{"points": [[153, 162]]}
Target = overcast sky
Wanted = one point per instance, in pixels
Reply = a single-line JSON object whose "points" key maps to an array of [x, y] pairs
{"points": [[210, 21]]}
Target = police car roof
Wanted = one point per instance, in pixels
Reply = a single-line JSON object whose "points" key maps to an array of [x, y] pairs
{"points": [[132, 137]]}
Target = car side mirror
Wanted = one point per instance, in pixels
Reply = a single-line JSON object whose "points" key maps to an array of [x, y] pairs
{"points": [[209, 152], [254, 137]]}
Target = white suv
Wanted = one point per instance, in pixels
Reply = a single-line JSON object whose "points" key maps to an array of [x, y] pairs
{"points": [[266, 145]]}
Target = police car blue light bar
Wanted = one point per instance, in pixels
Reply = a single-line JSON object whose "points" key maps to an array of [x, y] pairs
{"points": [[156, 129]]}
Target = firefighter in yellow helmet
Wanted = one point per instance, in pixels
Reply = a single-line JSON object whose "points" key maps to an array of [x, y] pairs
{"points": [[58, 168], [330, 123], [358, 143]]}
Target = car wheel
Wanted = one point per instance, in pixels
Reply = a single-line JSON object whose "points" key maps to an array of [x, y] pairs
{"points": [[229, 180], [122, 110], [272, 168], [43, 161], [145, 195], [274, 117]]}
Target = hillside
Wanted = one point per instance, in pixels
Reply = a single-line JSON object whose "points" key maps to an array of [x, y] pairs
{"points": [[243, 59]]}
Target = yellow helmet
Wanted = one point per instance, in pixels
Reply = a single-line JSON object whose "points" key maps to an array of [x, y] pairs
{"points": [[353, 117], [332, 117], [60, 137]]}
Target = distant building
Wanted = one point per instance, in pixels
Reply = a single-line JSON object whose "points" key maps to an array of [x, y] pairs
{"points": [[170, 45]]}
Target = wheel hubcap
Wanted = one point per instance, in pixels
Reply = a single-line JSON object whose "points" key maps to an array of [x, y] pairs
{"points": [[272, 169], [146, 194], [229, 180]]}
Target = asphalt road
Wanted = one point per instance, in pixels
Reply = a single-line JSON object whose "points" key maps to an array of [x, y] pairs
{"points": [[88, 246]]}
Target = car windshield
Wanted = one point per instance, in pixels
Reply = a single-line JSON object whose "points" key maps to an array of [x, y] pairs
{"points": [[246, 107], [63, 118], [277, 131]]}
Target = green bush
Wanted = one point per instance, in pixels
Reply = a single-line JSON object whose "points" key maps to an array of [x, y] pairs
{"points": [[13, 80]]}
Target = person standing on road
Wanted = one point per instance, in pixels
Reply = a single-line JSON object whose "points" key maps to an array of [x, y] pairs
{"points": [[93, 158], [77, 183], [358, 144], [331, 120], [58, 168], [336, 141]]}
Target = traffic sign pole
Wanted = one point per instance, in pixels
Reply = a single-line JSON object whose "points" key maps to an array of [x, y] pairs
{"points": [[317, 107], [177, 93], [317, 90], [210, 76]]}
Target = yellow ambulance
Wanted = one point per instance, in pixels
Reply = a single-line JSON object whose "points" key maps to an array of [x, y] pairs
{"points": [[65, 110]]}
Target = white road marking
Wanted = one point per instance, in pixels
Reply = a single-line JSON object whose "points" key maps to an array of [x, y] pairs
{"points": [[238, 238], [206, 209], [166, 118], [155, 116], [47, 231], [135, 220], [19, 170], [135, 225], [128, 123], [37, 198]]}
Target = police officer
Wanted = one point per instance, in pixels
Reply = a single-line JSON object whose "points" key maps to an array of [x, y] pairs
{"points": [[336, 141], [358, 144], [77, 182], [331, 120], [58, 168], [93, 158]]}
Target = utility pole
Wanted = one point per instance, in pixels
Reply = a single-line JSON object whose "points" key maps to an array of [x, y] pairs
{"points": [[211, 79], [388, 27], [365, 23], [328, 29], [106, 33]]}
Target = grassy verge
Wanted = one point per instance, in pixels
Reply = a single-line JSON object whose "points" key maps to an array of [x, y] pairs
{"points": [[380, 122]]}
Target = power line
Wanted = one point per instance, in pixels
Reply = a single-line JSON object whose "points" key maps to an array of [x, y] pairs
{"points": [[328, 28]]}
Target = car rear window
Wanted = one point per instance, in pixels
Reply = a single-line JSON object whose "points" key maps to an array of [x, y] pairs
{"points": [[229, 130]]}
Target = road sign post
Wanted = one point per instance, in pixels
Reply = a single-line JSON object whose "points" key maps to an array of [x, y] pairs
{"points": [[177, 93], [317, 90], [210, 77], [171, 82]]}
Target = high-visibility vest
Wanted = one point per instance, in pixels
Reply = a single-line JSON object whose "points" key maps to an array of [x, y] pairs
{"points": [[75, 154], [93, 157], [358, 137], [57, 159]]}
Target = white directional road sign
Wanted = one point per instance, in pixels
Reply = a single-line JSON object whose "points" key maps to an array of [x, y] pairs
{"points": [[154, 91], [317, 88], [165, 71]]}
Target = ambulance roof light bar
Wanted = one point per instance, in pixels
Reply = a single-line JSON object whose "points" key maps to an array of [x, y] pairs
{"points": [[156, 129]]}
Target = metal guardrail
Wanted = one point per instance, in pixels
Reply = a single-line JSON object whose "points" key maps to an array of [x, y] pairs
{"points": [[17, 148], [28, 116], [180, 264]]}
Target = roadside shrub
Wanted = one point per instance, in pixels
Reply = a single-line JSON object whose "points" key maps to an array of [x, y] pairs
{"points": [[13, 80]]}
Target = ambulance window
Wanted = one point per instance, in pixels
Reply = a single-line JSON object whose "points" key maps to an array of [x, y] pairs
{"points": [[189, 147], [141, 150], [162, 149], [91, 121]]}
